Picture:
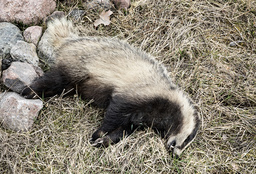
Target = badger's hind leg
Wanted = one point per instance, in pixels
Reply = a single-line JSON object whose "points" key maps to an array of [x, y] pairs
{"points": [[52, 82]]}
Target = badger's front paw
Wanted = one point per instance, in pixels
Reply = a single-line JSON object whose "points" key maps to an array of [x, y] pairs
{"points": [[28, 93], [101, 142]]}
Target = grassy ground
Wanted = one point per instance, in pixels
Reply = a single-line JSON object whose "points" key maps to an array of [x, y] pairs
{"points": [[196, 40]]}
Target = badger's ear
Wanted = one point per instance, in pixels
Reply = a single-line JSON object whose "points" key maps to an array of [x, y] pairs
{"points": [[172, 144]]}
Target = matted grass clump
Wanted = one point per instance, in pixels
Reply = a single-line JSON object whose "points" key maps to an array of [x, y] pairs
{"points": [[209, 48]]}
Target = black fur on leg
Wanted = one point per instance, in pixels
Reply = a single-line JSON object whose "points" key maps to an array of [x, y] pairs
{"points": [[52, 82], [116, 117]]}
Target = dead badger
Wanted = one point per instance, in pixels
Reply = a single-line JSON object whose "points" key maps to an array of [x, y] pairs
{"points": [[133, 87]]}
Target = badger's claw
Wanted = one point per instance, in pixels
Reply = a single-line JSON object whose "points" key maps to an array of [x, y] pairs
{"points": [[28, 93], [97, 143], [102, 142]]}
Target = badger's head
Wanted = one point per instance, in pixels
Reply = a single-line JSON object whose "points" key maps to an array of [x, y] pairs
{"points": [[187, 132], [184, 122]]}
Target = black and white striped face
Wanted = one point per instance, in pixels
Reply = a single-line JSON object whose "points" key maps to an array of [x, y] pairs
{"points": [[178, 143]]}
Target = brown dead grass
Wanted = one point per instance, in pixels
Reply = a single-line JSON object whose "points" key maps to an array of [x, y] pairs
{"points": [[192, 38]]}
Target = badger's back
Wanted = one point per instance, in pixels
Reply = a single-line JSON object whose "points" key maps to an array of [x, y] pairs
{"points": [[113, 63], [105, 61]]}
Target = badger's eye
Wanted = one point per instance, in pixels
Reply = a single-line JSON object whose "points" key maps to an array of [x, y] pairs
{"points": [[172, 144]]}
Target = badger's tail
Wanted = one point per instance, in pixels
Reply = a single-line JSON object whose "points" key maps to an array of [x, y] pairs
{"points": [[59, 30]]}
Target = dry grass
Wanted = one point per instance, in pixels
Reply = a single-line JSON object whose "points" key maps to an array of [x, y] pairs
{"points": [[192, 38]]}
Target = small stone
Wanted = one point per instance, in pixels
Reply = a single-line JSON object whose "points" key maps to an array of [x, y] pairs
{"points": [[122, 4], [232, 44], [236, 43], [18, 76], [33, 34], [24, 52], [18, 113]]}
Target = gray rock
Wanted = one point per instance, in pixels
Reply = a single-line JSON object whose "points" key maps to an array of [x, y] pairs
{"points": [[26, 11], [18, 113], [24, 52], [18, 76], [33, 34], [45, 50], [9, 35]]}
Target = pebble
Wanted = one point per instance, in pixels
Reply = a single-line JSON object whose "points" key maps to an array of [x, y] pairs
{"points": [[32, 34], [122, 4], [235, 43]]}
